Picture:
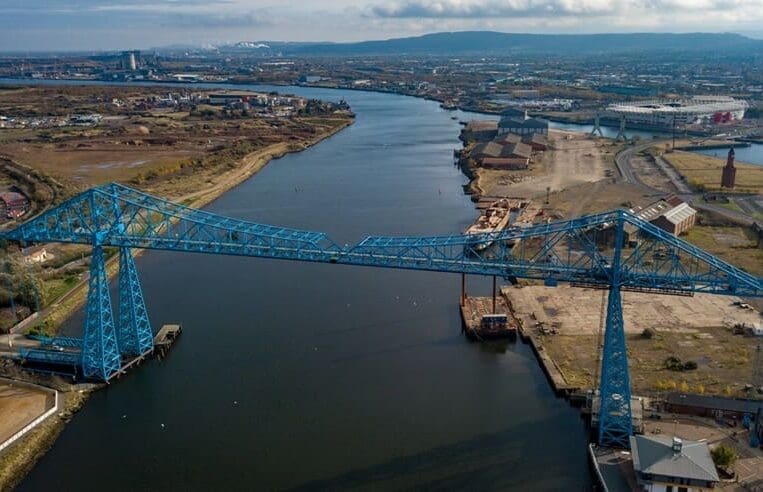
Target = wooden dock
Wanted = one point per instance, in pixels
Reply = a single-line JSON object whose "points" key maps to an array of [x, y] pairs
{"points": [[165, 338], [482, 322]]}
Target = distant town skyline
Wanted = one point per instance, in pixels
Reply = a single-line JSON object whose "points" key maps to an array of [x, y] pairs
{"points": [[53, 25]]}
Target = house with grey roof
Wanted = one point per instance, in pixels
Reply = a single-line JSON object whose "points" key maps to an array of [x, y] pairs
{"points": [[665, 464]]}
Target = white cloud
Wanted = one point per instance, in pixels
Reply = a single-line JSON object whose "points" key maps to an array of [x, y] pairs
{"points": [[38, 24]]}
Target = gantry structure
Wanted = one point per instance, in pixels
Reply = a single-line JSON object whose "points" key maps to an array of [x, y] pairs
{"points": [[614, 250]]}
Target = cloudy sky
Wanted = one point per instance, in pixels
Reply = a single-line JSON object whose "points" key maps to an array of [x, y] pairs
{"points": [[122, 24]]}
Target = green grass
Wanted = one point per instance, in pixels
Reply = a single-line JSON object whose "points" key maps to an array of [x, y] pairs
{"points": [[57, 287], [731, 206]]}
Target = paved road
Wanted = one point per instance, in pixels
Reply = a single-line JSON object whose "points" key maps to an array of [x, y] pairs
{"points": [[628, 175]]}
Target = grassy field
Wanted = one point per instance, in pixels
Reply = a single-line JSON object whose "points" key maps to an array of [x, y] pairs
{"points": [[704, 172], [724, 361], [735, 245]]}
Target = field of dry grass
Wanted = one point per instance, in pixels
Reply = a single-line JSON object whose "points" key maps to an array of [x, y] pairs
{"points": [[140, 145], [736, 245], [704, 172]]}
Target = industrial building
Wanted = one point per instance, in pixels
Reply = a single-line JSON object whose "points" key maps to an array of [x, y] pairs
{"points": [[670, 214], [13, 204], [714, 407], [479, 131], [505, 163], [680, 112], [528, 126], [677, 220], [130, 60], [497, 150]]}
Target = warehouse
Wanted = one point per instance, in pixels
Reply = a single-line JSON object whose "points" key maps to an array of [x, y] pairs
{"points": [[677, 220], [506, 163], [523, 127], [13, 204]]}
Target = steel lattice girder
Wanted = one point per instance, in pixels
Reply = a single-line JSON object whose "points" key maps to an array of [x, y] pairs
{"points": [[115, 215], [134, 329], [615, 420], [100, 353]]}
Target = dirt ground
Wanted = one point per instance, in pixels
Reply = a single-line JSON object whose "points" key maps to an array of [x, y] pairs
{"points": [[600, 196], [19, 406], [577, 311], [650, 174], [695, 329], [574, 158]]}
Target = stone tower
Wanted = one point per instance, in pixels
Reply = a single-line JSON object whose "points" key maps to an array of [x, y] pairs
{"points": [[728, 178]]}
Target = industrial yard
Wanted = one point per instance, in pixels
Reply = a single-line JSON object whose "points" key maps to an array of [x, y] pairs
{"points": [[566, 321]]}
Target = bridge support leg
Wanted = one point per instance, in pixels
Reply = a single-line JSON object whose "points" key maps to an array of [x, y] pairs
{"points": [[100, 355], [134, 329], [615, 424]]}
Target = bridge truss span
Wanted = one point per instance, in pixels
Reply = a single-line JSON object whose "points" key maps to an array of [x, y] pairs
{"points": [[613, 250]]}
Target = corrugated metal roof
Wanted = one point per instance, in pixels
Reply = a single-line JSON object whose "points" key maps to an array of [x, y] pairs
{"points": [[517, 150], [714, 402], [655, 455], [678, 214]]}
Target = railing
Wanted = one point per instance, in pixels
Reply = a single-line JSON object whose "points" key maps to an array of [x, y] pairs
{"points": [[18, 435]]}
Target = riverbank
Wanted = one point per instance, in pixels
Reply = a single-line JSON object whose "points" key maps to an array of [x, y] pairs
{"points": [[20, 458], [16, 462]]}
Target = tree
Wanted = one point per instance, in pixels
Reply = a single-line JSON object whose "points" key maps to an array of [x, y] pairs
{"points": [[723, 456]]}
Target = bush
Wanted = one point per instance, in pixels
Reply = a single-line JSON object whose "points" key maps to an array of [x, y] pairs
{"points": [[674, 364], [723, 456], [647, 334]]}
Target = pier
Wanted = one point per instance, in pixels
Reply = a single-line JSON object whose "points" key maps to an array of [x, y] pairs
{"points": [[165, 338]]}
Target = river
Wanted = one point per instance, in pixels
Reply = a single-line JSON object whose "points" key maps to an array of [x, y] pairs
{"points": [[295, 375]]}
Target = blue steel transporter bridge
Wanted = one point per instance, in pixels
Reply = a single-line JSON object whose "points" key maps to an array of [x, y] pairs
{"points": [[613, 250]]}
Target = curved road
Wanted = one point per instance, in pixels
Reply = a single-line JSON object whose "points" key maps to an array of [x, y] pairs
{"points": [[628, 175]]}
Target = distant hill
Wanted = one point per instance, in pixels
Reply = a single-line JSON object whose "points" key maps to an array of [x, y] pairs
{"points": [[450, 43]]}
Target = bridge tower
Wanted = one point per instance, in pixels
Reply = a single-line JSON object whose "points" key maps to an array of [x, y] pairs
{"points": [[100, 353], [134, 329], [597, 126], [615, 421], [621, 136]]}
